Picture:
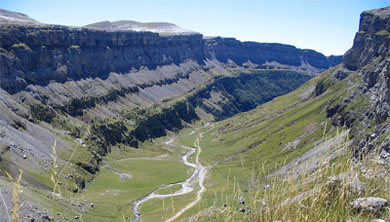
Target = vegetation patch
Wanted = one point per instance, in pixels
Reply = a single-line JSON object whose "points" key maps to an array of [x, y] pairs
{"points": [[75, 106], [42, 113], [74, 47], [21, 46], [246, 91], [383, 32]]}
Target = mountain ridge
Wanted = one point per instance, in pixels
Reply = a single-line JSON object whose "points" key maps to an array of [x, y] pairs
{"points": [[26, 53], [8, 17], [163, 28]]}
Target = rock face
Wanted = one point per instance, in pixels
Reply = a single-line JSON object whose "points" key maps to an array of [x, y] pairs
{"points": [[224, 49], [368, 60], [372, 40], [373, 43], [40, 54]]}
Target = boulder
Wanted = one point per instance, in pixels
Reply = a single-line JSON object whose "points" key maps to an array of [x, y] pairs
{"points": [[352, 184], [369, 204]]}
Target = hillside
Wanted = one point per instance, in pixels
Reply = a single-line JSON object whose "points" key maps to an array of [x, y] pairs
{"points": [[311, 154]]}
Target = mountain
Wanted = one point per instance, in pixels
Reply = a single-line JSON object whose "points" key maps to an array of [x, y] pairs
{"points": [[163, 28], [8, 17], [105, 89], [40, 54]]}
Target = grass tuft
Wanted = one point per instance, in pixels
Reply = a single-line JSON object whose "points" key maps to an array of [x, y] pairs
{"points": [[53, 177], [16, 195]]}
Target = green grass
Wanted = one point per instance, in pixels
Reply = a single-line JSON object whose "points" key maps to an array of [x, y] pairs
{"points": [[383, 32], [162, 209], [74, 47], [21, 45], [112, 195], [108, 189]]}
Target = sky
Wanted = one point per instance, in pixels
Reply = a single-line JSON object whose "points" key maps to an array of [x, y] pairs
{"points": [[327, 26]]}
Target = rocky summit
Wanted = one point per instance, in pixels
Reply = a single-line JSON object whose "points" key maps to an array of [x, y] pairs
{"points": [[137, 121]]}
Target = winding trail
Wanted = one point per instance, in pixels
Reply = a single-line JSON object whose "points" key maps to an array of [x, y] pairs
{"points": [[187, 185], [202, 176]]}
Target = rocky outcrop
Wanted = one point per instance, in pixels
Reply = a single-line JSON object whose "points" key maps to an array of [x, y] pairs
{"points": [[366, 109], [369, 204], [370, 54], [372, 40]]}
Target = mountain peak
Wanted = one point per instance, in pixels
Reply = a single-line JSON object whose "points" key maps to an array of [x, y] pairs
{"points": [[8, 17], [163, 28]]}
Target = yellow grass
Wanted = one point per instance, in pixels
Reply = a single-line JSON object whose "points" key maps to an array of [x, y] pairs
{"points": [[53, 177], [16, 195]]}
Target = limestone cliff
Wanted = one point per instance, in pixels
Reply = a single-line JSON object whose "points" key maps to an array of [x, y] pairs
{"points": [[40, 54], [366, 107]]}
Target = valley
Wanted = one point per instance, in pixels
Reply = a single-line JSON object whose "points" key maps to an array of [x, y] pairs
{"points": [[153, 122]]}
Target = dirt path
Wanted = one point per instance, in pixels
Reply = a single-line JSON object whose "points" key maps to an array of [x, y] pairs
{"points": [[187, 185], [202, 176]]}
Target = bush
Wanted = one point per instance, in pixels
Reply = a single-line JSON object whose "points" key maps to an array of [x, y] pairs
{"points": [[42, 113], [109, 133]]}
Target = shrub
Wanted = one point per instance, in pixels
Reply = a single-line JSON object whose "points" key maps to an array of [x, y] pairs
{"points": [[42, 113]]}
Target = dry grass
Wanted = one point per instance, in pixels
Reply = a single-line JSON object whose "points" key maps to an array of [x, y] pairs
{"points": [[5, 205], [17, 190], [310, 196], [53, 177]]}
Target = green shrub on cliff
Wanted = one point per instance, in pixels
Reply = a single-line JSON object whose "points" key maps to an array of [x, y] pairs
{"points": [[21, 45], [42, 113]]}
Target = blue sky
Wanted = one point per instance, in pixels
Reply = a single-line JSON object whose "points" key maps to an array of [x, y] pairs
{"points": [[327, 26]]}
